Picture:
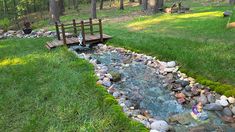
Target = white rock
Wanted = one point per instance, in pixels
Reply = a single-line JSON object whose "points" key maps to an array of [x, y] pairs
{"points": [[224, 102], [171, 64], [169, 69], [231, 100], [154, 131], [106, 82], [160, 125], [223, 97], [116, 94]]}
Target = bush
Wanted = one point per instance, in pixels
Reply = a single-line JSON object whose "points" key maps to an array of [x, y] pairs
{"points": [[5, 23]]}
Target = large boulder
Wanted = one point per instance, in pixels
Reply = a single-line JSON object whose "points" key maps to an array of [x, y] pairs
{"points": [[213, 107]]}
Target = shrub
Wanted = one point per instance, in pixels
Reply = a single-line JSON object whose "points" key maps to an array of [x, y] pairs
{"points": [[5, 23]]}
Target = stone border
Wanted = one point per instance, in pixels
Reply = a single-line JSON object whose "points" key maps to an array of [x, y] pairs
{"points": [[184, 88]]}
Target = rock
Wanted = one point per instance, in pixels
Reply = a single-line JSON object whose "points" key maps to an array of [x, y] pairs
{"points": [[188, 94], [195, 91], [179, 95], [160, 125], [1, 37], [12, 32], [116, 94], [233, 110], [227, 14], [111, 90], [108, 76], [115, 76], [141, 117], [99, 82], [106, 82], [177, 89], [185, 83], [154, 131], [128, 103], [171, 64], [227, 112], [224, 102], [198, 129], [203, 99], [223, 97], [1, 32], [168, 70], [213, 107], [181, 100], [231, 100], [211, 98], [188, 88], [228, 119]]}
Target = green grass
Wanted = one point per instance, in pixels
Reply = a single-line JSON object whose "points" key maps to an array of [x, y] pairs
{"points": [[199, 41], [53, 91]]}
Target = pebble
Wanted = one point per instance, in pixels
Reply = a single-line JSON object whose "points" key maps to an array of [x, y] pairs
{"points": [[160, 125], [211, 98], [116, 94], [203, 99], [233, 110]]}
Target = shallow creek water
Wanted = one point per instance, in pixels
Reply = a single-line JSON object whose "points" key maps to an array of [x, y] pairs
{"points": [[144, 85]]}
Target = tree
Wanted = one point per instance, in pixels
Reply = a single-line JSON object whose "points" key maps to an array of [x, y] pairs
{"points": [[101, 4], [121, 4], [54, 10], [93, 9], [144, 5], [232, 2], [61, 7], [155, 5]]}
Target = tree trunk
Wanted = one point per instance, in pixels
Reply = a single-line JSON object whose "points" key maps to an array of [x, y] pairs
{"points": [[155, 5], [144, 5], [101, 4], [93, 9], [131, 0], [140, 2], [121, 4], [54, 12], [61, 7], [232, 2]]}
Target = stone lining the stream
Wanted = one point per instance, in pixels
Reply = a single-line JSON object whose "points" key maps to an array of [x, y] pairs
{"points": [[155, 93]]}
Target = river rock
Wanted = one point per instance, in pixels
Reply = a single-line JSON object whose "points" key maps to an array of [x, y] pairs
{"points": [[211, 98], [179, 95], [160, 125], [227, 112], [224, 102], [116, 94], [171, 64], [188, 94], [213, 107], [106, 82], [185, 83], [233, 110], [188, 88], [195, 91], [115, 76], [1, 32], [203, 99], [128, 103], [223, 97], [154, 131], [231, 100]]}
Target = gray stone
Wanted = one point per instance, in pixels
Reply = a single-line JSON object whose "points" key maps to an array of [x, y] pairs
{"points": [[116, 94], [233, 110], [106, 82], [188, 94], [227, 112], [160, 125], [213, 107], [1, 37], [203, 99], [128, 103], [227, 14], [211, 98], [115, 76], [188, 88], [185, 83]]}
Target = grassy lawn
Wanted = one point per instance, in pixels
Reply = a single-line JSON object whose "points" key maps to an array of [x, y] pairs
{"points": [[199, 41], [53, 91]]}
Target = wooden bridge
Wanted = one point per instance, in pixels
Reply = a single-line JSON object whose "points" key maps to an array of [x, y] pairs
{"points": [[90, 31]]}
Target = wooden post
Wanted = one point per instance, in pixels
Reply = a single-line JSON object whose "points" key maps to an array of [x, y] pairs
{"points": [[57, 30], [83, 33], [101, 31], [91, 26], [63, 34], [75, 27]]}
